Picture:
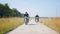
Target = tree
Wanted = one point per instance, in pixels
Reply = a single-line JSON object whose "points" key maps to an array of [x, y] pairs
{"points": [[5, 11]]}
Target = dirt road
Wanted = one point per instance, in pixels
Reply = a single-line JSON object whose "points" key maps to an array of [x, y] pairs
{"points": [[33, 28]]}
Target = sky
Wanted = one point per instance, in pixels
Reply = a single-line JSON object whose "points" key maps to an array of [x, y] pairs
{"points": [[44, 8]]}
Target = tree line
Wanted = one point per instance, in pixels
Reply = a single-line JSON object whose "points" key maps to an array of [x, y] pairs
{"points": [[6, 11]]}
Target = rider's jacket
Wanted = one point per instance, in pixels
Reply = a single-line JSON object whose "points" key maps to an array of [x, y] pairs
{"points": [[26, 15]]}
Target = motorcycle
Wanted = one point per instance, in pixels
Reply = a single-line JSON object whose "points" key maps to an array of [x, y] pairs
{"points": [[26, 20]]}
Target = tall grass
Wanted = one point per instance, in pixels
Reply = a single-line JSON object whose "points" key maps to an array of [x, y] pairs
{"points": [[53, 23], [7, 24]]}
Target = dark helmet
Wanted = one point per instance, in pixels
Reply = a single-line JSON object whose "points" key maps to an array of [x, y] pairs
{"points": [[37, 15], [25, 12]]}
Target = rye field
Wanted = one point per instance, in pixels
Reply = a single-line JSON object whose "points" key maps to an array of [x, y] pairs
{"points": [[8, 24], [53, 23]]}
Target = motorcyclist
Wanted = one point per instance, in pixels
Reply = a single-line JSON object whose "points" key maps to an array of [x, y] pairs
{"points": [[37, 18], [26, 18]]}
